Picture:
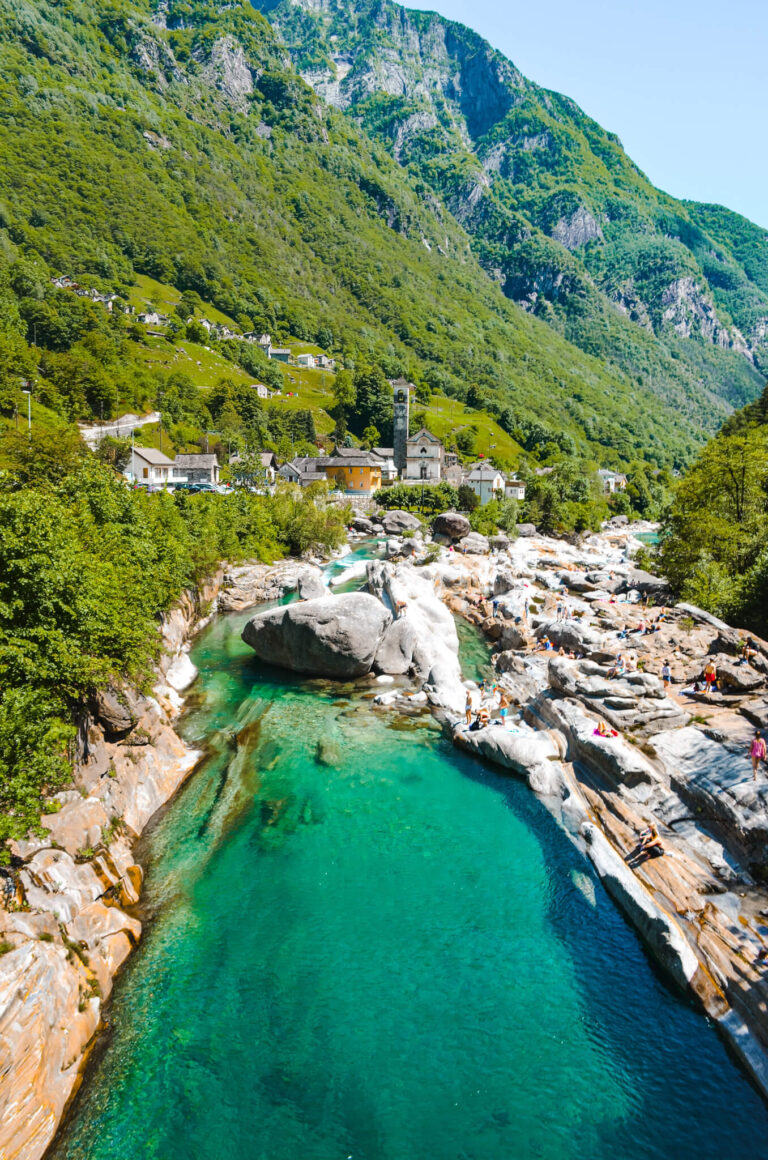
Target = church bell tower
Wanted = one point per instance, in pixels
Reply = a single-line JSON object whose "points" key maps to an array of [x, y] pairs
{"points": [[402, 403]]}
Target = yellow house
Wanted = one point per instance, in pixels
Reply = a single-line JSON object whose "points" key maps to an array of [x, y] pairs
{"points": [[358, 474]]}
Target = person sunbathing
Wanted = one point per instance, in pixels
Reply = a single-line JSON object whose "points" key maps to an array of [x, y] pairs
{"points": [[617, 669], [604, 730]]}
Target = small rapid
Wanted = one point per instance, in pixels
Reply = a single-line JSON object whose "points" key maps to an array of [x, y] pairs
{"points": [[362, 943]]}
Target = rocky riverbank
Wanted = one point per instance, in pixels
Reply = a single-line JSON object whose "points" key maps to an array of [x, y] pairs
{"points": [[580, 637], [67, 916]]}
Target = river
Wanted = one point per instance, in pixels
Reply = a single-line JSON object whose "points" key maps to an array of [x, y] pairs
{"points": [[361, 943]]}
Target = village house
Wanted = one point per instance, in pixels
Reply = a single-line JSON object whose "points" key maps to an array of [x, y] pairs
{"points": [[612, 481], [514, 489], [267, 461], [151, 467], [279, 353], [486, 481], [388, 469], [305, 360], [261, 390], [327, 364], [356, 473], [152, 318], [454, 474], [305, 469], [198, 468]]}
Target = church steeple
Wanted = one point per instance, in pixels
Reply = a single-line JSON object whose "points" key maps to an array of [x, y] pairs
{"points": [[402, 405]]}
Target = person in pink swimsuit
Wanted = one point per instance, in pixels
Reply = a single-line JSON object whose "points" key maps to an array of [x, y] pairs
{"points": [[757, 753]]}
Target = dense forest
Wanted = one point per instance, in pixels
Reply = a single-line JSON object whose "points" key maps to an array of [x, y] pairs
{"points": [[714, 542], [86, 567]]}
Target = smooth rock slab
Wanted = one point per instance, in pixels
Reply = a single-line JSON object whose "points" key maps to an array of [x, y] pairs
{"points": [[335, 636]]}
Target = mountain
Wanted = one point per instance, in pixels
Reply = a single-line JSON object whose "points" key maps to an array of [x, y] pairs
{"points": [[558, 214], [175, 140]]}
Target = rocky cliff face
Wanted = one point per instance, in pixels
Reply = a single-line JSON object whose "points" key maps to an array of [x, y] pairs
{"points": [[490, 142]]}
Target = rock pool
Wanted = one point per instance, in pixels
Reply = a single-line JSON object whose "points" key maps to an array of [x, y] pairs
{"points": [[361, 943]]}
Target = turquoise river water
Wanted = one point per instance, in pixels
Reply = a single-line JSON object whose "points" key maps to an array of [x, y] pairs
{"points": [[362, 944]]}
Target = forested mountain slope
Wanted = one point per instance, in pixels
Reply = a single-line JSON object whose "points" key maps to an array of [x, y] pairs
{"points": [[175, 140], [558, 214]]}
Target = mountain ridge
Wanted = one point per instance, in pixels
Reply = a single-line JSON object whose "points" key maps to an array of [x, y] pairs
{"points": [[174, 140], [571, 228]]}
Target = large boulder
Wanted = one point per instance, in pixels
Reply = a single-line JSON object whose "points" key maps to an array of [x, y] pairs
{"points": [[396, 522], [645, 583], [452, 525], [395, 653], [526, 530], [736, 677], [475, 545], [335, 636], [362, 524]]}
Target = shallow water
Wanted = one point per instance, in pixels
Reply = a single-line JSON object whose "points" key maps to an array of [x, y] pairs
{"points": [[364, 944]]}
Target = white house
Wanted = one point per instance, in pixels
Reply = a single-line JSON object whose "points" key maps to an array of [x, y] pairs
{"points": [[152, 318], [514, 489], [152, 467], [423, 457], [612, 481], [486, 482], [326, 363], [388, 469], [305, 360], [262, 391]]}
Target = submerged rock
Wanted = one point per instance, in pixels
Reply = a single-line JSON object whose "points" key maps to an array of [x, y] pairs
{"points": [[334, 636]]}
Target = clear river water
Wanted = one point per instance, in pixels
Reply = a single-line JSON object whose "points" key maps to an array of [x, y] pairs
{"points": [[361, 944]]}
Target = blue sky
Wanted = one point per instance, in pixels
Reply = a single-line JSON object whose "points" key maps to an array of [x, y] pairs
{"points": [[682, 83]]}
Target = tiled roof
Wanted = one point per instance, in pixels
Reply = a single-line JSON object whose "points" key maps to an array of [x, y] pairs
{"points": [[195, 460], [151, 455]]}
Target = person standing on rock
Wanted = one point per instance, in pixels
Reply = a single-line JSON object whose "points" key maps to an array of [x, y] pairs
{"points": [[757, 753], [666, 675], [468, 707], [710, 677]]}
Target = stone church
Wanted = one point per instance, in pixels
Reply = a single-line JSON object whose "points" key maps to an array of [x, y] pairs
{"points": [[418, 456]]}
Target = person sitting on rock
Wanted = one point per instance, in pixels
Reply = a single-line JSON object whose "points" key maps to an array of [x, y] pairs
{"points": [[649, 846], [748, 651], [617, 669]]}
